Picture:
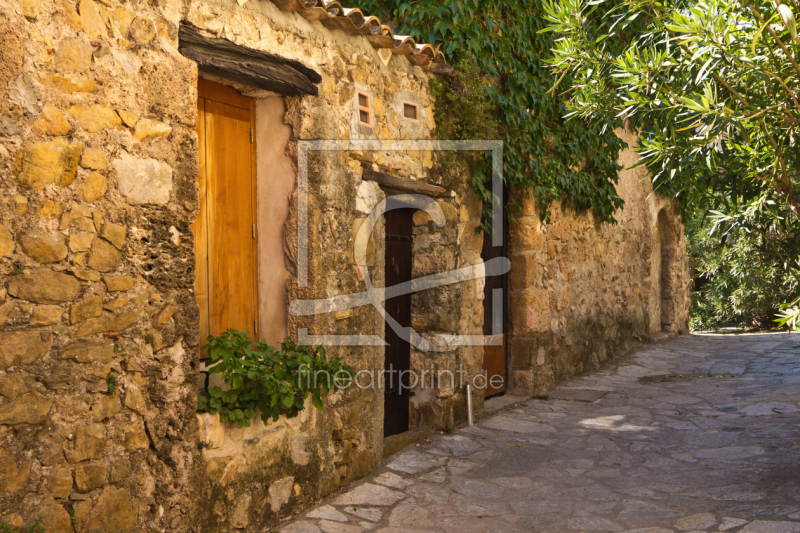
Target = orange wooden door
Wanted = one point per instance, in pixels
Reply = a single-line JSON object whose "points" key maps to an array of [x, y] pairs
{"points": [[225, 243], [494, 363]]}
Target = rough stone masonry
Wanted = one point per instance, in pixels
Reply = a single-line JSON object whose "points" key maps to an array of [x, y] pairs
{"points": [[99, 321], [583, 291]]}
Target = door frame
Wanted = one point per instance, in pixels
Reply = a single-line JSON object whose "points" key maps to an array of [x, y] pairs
{"points": [[224, 94]]}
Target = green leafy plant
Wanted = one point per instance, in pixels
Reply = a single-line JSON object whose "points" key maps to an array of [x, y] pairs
{"points": [[111, 381], [205, 445], [463, 109], [276, 382], [789, 315], [38, 526], [464, 112], [710, 83], [501, 52], [744, 262], [117, 346]]}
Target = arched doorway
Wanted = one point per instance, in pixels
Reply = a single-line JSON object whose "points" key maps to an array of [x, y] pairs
{"points": [[668, 275]]}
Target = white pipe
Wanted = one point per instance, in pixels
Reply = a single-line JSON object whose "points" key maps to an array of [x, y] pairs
{"points": [[469, 405]]}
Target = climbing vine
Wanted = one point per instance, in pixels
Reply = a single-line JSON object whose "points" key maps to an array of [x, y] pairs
{"points": [[544, 154], [463, 109]]}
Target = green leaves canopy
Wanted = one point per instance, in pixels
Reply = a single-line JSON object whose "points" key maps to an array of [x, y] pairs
{"points": [[574, 161], [712, 85]]}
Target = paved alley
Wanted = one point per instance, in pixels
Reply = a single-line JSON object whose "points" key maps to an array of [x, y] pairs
{"points": [[701, 433]]}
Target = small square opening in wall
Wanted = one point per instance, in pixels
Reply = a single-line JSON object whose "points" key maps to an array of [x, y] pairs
{"points": [[364, 111], [410, 111]]}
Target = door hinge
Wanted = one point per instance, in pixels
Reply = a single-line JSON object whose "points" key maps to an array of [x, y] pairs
{"points": [[251, 135], [254, 231]]}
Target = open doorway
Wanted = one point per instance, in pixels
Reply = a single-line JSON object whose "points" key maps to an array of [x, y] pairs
{"points": [[399, 253], [668, 276]]}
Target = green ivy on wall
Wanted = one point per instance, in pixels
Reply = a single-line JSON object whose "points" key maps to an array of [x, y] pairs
{"points": [[544, 154]]}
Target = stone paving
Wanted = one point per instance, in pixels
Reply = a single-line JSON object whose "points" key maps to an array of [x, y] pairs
{"points": [[679, 454]]}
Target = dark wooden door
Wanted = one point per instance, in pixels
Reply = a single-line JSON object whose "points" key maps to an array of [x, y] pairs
{"points": [[494, 316], [399, 243]]}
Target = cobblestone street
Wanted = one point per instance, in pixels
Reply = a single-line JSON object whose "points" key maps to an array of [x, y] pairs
{"points": [[714, 446]]}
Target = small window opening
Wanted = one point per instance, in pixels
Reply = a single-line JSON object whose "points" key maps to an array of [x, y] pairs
{"points": [[410, 111], [364, 111]]}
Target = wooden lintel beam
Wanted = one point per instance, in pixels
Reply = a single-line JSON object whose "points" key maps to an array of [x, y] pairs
{"points": [[402, 184], [250, 67]]}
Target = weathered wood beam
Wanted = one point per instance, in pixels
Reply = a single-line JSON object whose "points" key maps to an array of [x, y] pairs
{"points": [[225, 59], [402, 184]]}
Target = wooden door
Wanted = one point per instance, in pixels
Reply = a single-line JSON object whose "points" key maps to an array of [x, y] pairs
{"points": [[225, 243], [494, 316], [399, 244]]}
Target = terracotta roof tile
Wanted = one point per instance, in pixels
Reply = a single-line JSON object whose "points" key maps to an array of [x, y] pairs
{"points": [[335, 17]]}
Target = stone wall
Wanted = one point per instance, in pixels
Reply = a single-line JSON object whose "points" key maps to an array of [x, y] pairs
{"points": [[98, 153], [99, 322], [97, 169], [583, 292]]}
